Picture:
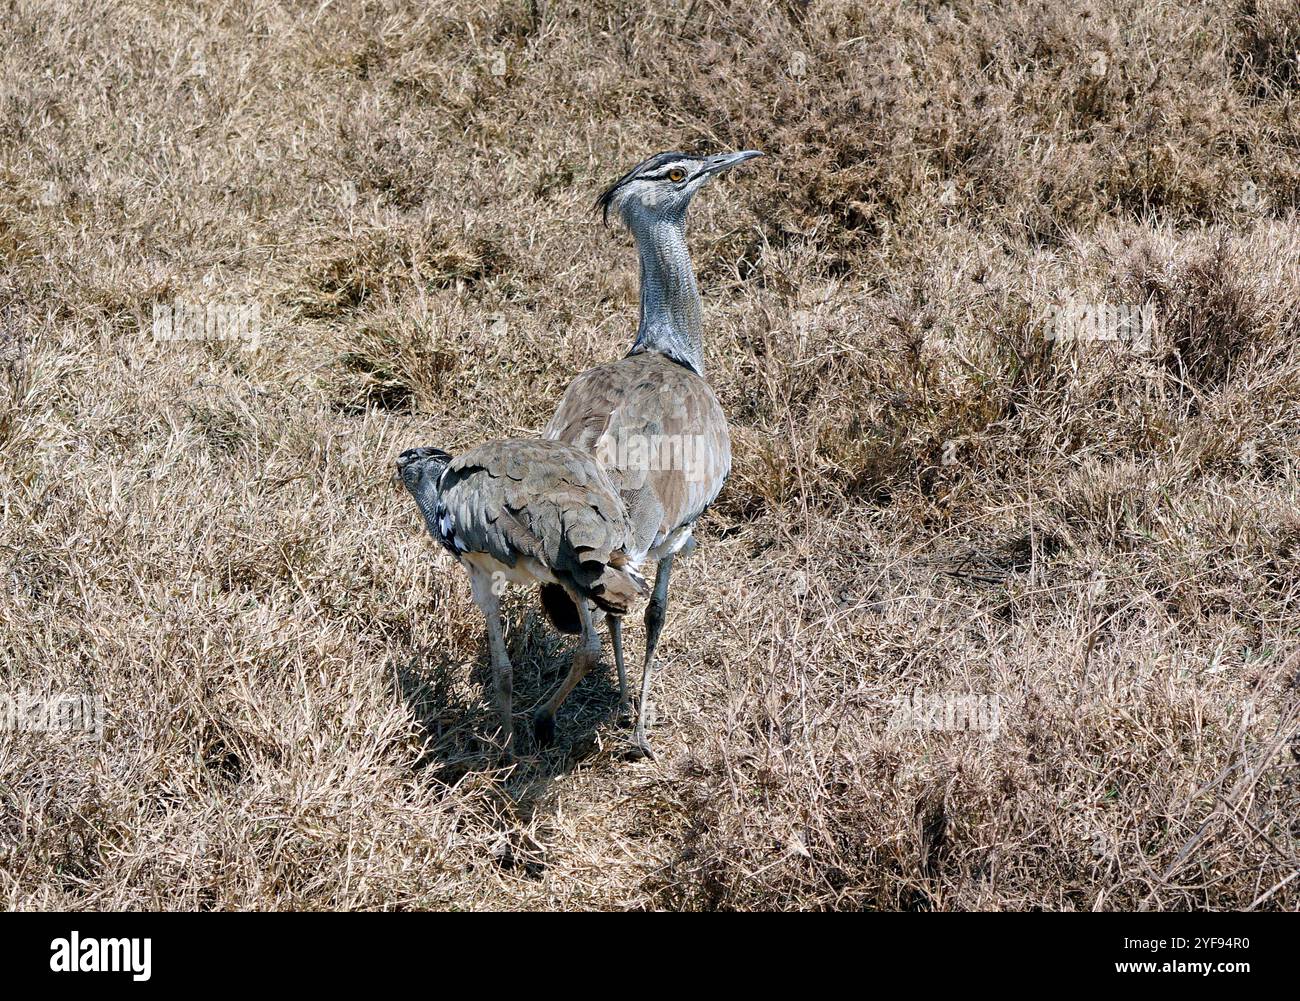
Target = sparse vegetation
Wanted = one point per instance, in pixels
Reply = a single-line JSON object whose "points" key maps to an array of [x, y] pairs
{"points": [[930, 496]]}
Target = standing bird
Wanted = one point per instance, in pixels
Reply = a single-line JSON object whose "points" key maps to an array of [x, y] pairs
{"points": [[651, 418], [529, 511]]}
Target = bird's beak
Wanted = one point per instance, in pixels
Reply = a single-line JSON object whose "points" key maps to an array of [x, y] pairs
{"points": [[725, 161]]}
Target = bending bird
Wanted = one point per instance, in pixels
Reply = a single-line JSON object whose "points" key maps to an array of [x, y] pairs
{"points": [[528, 511]]}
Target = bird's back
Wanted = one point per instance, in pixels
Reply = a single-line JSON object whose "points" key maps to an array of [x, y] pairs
{"points": [[659, 431]]}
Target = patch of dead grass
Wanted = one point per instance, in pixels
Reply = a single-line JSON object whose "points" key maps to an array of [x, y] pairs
{"points": [[929, 499]]}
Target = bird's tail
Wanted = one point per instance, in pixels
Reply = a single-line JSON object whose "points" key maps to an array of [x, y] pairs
{"points": [[614, 590], [618, 587]]}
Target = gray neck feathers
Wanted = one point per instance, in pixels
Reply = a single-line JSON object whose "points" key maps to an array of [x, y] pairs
{"points": [[426, 497], [670, 299], [428, 490]]}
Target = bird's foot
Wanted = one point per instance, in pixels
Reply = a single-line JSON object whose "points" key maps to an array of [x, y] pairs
{"points": [[640, 748], [503, 750]]}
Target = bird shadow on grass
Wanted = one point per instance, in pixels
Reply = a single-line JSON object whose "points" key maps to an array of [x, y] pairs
{"points": [[452, 706]]}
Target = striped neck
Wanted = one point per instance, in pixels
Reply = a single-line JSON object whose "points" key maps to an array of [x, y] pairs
{"points": [[670, 300]]}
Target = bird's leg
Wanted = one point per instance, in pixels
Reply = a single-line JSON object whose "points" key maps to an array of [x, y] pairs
{"points": [[616, 640], [584, 659], [655, 613], [502, 674]]}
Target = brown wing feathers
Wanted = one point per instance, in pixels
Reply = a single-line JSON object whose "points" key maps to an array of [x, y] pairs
{"points": [[631, 414]]}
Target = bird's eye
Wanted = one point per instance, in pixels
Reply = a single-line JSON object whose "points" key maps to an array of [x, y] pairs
{"points": [[676, 175]]}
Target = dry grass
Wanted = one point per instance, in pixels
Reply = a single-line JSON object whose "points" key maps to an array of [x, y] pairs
{"points": [[929, 498]]}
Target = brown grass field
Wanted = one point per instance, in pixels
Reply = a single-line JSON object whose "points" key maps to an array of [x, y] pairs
{"points": [[932, 500]]}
